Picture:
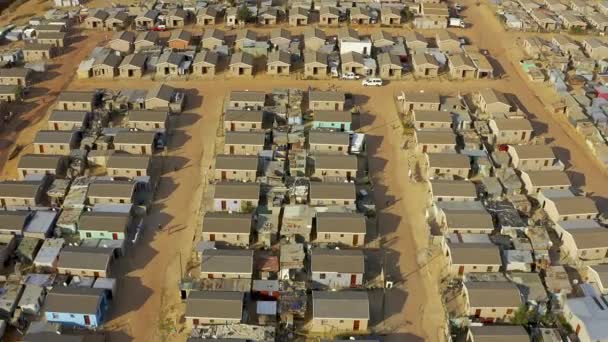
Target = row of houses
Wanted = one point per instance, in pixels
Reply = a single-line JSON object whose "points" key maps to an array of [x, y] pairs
{"points": [[78, 207], [317, 232], [496, 196]]}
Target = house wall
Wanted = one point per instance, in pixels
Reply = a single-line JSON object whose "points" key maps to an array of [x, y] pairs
{"points": [[209, 71], [435, 148], [321, 72], [462, 269], [326, 105], [337, 325], [108, 200], [20, 201], [594, 277], [33, 56], [225, 275], [238, 175], [329, 148], [234, 205], [13, 81], [326, 201], [83, 272], [68, 105], [234, 71], [155, 103], [418, 124], [274, 70], [409, 106], [227, 238], [202, 321], [129, 173], [243, 149], [162, 69], [178, 44], [152, 126], [462, 73], [335, 280], [135, 148], [64, 125], [552, 212], [314, 44], [205, 21], [211, 44], [62, 149], [469, 230], [512, 137], [320, 173], [124, 72], [341, 238], [241, 126], [93, 23], [531, 164], [385, 72], [330, 21], [577, 325], [244, 104], [452, 199], [27, 172], [334, 125], [70, 319], [104, 71], [95, 234], [448, 172], [293, 21], [493, 313]]}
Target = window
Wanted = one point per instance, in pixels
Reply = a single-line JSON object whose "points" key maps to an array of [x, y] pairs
{"points": [[327, 236], [88, 235], [55, 315], [493, 310], [322, 276], [341, 235], [339, 275]]}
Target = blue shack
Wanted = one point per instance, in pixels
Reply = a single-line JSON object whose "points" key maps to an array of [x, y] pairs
{"points": [[76, 306]]}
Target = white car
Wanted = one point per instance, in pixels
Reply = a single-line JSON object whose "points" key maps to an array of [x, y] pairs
{"points": [[349, 76], [372, 82]]}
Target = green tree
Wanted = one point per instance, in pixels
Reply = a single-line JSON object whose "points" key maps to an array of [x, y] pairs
{"points": [[244, 14], [407, 15], [521, 316]]}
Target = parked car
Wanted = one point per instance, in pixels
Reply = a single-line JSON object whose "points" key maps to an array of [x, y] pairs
{"points": [[159, 28], [372, 82], [349, 76]]}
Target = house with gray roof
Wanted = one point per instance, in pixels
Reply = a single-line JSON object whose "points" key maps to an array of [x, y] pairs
{"points": [[149, 120], [330, 193], [347, 229], [213, 38], [67, 120], [42, 164], [328, 142], [21, 193], [103, 225], [205, 64], [231, 167], [236, 196], [244, 143], [163, 96], [236, 120], [340, 311], [85, 261], [241, 65], [84, 307], [213, 307], [135, 142], [206, 16], [128, 165], [133, 66], [227, 228], [316, 65], [226, 263], [56, 142], [336, 268], [279, 63], [335, 167], [76, 100], [111, 192]]}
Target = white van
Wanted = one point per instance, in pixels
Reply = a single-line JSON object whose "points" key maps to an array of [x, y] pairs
{"points": [[372, 82]]}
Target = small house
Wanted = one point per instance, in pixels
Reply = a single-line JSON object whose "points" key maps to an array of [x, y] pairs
{"points": [[206, 16], [133, 66], [241, 64], [244, 143], [164, 97], [41, 164], [205, 64], [56, 142], [236, 197], [315, 65], [468, 222], [180, 40], [212, 39], [15, 76], [536, 181], [461, 67], [448, 166], [231, 167], [85, 261], [334, 119], [472, 257], [326, 100], [55, 39], [135, 142], [429, 141], [149, 120], [111, 192], [227, 228], [329, 16], [360, 16], [213, 307], [279, 63], [492, 102], [433, 119], [327, 142], [146, 20], [534, 158], [145, 39], [335, 166], [226, 263], [492, 300], [511, 131], [176, 18], [128, 165], [21, 193], [347, 229], [390, 66], [330, 193], [76, 306], [314, 39], [248, 100], [96, 20], [118, 21], [123, 42], [447, 42], [103, 225], [35, 52], [453, 190], [340, 311], [76, 100], [298, 16], [243, 120], [336, 269], [390, 16]]}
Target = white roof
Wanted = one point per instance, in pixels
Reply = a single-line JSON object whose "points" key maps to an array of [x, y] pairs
{"points": [[592, 311]]}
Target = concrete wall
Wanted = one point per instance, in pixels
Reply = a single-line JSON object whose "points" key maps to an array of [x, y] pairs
{"points": [[336, 325], [329, 148], [62, 149], [67, 105], [135, 148], [448, 173], [129, 173], [227, 238], [108, 200], [190, 321], [335, 280], [231, 204], [227, 275], [243, 149], [237, 175], [326, 105], [341, 238], [430, 148], [327, 201], [241, 126], [493, 313], [83, 272]]}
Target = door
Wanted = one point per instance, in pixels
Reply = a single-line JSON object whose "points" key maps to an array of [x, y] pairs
{"points": [[478, 313], [336, 106], [56, 126], [423, 148], [523, 135], [353, 280], [24, 173], [41, 148], [461, 270], [223, 205], [114, 236], [355, 240], [87, 320], [96, 274], [356, 325], [231, 149], [138, 173], [223, 175], [211, 237], [143, 150], [578, 329], [232, 126], [342, 126], [210, 276], [348, 175]]}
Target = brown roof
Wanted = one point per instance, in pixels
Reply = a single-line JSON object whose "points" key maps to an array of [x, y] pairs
{"points": [[128, 161], [548, 178], [245, 138], [533, 151], [475, 254], [516, 124], [40, 161], [330, 190], [332, 116], [575, 205], [493, 294], [336, 162], [328, 138], [236, 190], [236, 162], [340, 261], [449, 160], [229, 223], [433, 116], [453, 188], [590, 238], [436, 137], [499, 333], [328, 222], [458, 219]]}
